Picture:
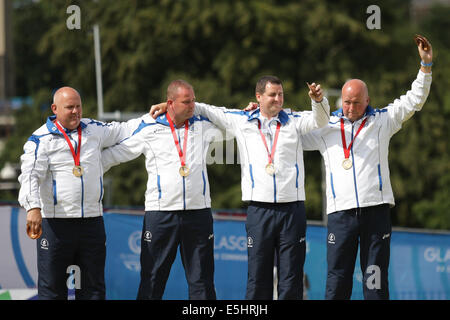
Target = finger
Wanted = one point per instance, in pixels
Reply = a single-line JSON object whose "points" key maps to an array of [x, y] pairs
{"points": [[311, 86], [155, 113], [36, 228]]}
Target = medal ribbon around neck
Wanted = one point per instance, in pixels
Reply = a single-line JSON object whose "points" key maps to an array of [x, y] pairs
{"points": [[344, 144], [76, 156], [271, 155], [181, 153]]}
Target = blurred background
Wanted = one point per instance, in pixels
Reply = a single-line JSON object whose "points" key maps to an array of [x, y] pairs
{"points": [[222, 47]]}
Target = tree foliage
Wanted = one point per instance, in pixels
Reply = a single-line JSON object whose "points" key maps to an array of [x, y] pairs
{"points": [[222, 47]]}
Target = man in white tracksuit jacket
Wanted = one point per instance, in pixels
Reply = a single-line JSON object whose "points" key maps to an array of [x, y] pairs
{"points": [[177, 199], [272, 181], [62, 191], [355, 146]]}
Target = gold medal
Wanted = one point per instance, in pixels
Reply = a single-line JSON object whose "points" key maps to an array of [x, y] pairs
{"points": [[270, 169], [77, 171], [184, 171], [33, 235], [347, 164]]}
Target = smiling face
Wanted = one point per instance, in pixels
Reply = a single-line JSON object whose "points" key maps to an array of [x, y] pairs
{"points": [[271, 100], [67, 107], [355, 99]]}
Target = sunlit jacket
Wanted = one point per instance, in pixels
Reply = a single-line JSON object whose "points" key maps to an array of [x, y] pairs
{"points": [[167, 190], [287, 184], [47, 180], [367, 182]]}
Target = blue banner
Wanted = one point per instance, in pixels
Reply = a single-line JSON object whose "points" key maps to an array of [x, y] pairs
{"points": [[419, 266]]}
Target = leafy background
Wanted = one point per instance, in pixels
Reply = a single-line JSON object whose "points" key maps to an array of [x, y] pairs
{"points": [[222, 47]]}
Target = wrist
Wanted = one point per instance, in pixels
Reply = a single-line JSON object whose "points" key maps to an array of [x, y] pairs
{"points": [[424, 64]]}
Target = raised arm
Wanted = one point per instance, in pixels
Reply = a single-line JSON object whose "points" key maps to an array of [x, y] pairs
{"points": [[404, 107]]}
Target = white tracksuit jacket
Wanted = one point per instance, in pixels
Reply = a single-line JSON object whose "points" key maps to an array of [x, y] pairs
{"points": [[287, 184], [367, 183], [47, 181], [167, 190]]}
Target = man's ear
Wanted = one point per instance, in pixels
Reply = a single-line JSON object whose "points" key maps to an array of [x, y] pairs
{"points": [[54, 108], [258, 96]]}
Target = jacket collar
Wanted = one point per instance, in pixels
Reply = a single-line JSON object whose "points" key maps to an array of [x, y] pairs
{"points": [[53, 129], [282, 116], [162, 119], [340, 114]]}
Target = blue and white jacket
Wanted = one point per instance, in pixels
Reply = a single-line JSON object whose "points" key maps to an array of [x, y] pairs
{"points": [[367, 182], [167, 190], [287, 184], [47, 181]]}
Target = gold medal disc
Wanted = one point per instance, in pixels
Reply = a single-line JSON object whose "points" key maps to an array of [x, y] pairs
{"points": [[347, 164], [184, 171], [270, 169], [77, 171]]}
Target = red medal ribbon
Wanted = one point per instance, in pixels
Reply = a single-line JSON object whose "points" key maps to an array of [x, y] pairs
{"points": [[76, 156], [271, 154], [181, 153], [344, 144]]}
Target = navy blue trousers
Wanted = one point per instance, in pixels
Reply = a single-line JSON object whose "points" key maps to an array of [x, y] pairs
{"points": [[275, 230], [369, 227], [162, 233], [71, 245]]}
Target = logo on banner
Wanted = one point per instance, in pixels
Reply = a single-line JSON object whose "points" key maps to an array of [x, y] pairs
{"points": [[439, 256], [231, 247], [134, 242], [131, 261]]}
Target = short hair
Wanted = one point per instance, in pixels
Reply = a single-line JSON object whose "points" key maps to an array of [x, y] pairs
{"points": [[262, 82], [172, 89]]}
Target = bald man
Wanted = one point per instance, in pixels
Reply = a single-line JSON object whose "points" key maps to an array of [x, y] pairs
{"points": [[62, 190], [355, 147]]}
